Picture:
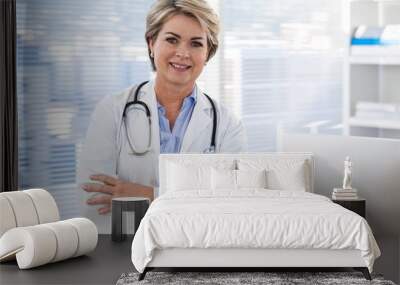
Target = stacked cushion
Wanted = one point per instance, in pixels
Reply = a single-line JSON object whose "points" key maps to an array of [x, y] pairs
{"points": [[37, 245], [7, 220], [31, 232], [27, 208]]}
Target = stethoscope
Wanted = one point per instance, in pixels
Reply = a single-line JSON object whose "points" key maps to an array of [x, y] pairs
{"points": [[137, 102]]}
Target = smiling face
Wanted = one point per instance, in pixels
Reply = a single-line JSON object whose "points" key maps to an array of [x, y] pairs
{"points": [[180, 51]]}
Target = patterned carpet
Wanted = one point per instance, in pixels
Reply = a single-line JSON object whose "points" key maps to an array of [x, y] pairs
{"points": [[269, 278]]}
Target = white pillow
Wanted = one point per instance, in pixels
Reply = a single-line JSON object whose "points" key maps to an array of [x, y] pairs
{"points": [[183, 177], [251, 178], [288, 179], [227, 179], [223, 179], [282, 174]]}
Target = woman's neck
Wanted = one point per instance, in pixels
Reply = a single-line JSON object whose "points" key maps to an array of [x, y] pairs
{"points": [[171, 96]]}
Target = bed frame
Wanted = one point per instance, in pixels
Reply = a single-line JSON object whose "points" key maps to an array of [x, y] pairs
{"points": [[245, 259], [259, 259]]}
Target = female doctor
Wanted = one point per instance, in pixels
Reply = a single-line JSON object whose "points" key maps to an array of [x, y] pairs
{"points": [[169, 114]]}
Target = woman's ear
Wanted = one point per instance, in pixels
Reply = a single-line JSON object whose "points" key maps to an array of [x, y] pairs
{"points": [[150, 43]]}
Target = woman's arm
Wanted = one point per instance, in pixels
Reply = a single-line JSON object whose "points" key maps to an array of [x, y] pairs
{"points": [[99, 151], [114, 187], [98, 159]]}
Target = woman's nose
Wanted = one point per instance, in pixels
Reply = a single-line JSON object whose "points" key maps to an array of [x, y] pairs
{"points": [[182, 51]]}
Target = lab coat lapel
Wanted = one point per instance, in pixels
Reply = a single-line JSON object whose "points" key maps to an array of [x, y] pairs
{"points": [[199, 122]]}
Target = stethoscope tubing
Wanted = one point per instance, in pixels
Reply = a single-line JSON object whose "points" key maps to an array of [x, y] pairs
{"points": [[148, 115]]}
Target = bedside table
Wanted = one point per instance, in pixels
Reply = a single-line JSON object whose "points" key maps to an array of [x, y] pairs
{"points": [[119, 207], [357, 206]]}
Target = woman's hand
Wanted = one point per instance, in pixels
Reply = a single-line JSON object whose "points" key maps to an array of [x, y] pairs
{"points": [[114, 187]]}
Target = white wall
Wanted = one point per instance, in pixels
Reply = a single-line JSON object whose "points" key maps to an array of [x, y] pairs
{"points": [[376, 165]]}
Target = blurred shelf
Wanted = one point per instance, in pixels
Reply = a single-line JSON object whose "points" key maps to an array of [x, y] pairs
{"points": [[384, 60], [378, 1], [377, 123]]}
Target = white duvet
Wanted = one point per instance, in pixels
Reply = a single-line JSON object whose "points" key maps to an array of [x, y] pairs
{"points": [[250, 219]]}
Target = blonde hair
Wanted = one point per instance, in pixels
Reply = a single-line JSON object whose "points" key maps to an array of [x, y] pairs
{"points": [[200, 10]]}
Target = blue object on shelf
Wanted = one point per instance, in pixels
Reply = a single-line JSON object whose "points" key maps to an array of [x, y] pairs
{"points": [[373, 35], [355, 41]]}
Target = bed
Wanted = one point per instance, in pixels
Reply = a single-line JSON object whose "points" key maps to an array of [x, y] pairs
{"points": [[244, 211]]}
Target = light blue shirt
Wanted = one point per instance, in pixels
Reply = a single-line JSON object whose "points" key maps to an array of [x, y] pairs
{"points": [[171, 141]]}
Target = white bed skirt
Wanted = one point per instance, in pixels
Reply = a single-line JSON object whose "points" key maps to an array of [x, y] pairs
{"points": [[189, 257]]}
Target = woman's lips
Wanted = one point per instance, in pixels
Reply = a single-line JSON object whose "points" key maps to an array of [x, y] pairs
{"points": [[180, 67]]}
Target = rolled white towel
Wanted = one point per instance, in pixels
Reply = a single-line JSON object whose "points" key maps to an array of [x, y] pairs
{"points": [[67, 240], [40, 244], [87, 234], [23, 208], [26, 208], [7, 218], [45, 205], [33, 246]]}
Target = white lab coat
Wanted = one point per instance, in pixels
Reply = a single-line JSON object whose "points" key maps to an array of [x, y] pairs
{"points": [[106, 149]]}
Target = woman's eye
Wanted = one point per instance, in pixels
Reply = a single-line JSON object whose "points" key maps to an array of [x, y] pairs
{"points": [[172, 40], [197, 44]]}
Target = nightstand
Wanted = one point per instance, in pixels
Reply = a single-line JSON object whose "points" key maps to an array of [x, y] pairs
{"points": [[357, 206], [120, 207]]}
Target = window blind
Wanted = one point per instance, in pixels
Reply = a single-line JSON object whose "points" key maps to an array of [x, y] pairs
{"points": [[282, 64], [70, 54], [279, 63]]}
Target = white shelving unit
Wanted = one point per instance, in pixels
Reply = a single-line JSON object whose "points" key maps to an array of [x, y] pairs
{"points": [[374, 123], [371, 78], [378, 60]]}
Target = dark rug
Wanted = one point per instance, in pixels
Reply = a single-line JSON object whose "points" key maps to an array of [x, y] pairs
{"points": [[269, 278]]}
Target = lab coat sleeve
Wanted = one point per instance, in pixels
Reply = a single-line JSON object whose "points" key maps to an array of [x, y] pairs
{"points": [[233, 138], [98, 155], [99, 152]]}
